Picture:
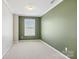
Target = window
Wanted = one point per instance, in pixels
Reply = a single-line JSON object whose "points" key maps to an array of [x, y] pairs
{"points": [[29, 27]]}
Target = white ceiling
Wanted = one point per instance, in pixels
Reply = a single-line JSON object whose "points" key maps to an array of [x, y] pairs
{"points": [[40, 7]]}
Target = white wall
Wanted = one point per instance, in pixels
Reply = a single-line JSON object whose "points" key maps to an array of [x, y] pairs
{"points": [[15, 28], [7, 29]]}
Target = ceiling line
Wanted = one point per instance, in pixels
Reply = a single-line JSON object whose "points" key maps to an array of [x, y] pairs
{"points": [[54, 5]]}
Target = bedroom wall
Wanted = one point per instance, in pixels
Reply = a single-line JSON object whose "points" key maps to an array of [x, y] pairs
{"points": [[59, 27], [7, 29], [15, 28], [37, 28]]}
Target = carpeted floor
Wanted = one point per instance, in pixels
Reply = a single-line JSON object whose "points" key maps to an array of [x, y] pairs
{"points": [[32, 49]]}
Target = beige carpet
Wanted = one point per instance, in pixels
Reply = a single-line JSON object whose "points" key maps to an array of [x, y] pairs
{"points": [[32, 49]]}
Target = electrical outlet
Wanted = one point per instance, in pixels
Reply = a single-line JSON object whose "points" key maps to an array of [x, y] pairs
{"points": [[66, 49], [69, 53]]}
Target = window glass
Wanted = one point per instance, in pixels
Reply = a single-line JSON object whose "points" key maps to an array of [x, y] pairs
{"points": [[29, 27]]}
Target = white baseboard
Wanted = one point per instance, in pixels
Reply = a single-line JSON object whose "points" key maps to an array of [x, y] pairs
{"points": [[55, 50]]}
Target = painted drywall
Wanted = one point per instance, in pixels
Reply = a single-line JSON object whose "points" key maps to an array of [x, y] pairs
{"points": [[15, 28], [7, 29], [59, 27], [37, 28]]}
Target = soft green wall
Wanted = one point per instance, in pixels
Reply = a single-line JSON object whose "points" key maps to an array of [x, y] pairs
{"points": [[37, 28], [59, 26]]}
